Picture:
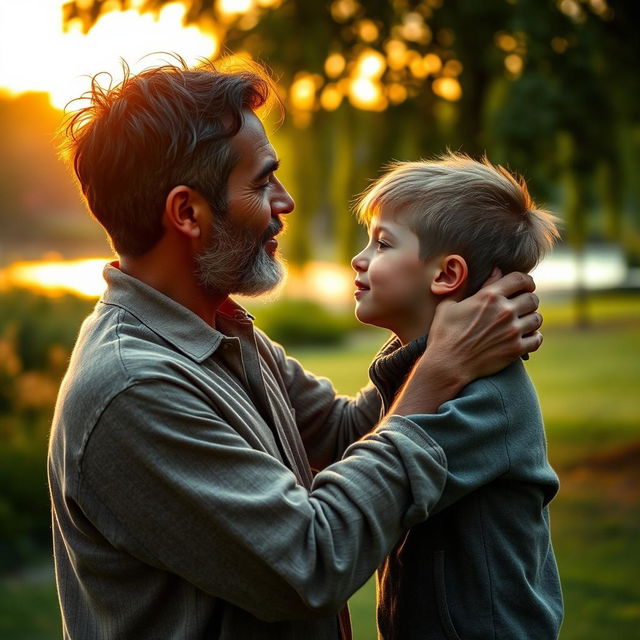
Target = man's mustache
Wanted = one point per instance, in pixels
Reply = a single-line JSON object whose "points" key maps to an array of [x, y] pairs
{"points": [[274, 227]]}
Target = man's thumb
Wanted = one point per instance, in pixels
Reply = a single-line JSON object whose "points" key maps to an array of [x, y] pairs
{"points": [[496, 274]]}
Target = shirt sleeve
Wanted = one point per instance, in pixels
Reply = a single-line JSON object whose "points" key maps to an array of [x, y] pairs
{"points": [[327, 421], [473, 431], [166, 480]]}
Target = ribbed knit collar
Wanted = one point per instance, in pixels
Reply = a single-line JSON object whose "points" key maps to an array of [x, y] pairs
{"points": [[391, 366]]}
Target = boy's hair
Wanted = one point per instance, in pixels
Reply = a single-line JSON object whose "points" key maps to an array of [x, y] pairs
{"points": [[459, 205], [164, 127]]}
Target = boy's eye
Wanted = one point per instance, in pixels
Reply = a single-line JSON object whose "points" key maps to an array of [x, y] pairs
{"points": [[382, 244]]}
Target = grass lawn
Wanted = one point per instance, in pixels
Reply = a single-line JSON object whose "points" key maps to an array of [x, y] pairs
{"points": [[588, 386]]}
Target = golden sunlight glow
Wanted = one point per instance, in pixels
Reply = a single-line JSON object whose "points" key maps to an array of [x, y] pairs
{"points": [[513, 63], [397, 93], [396, 54], [365, 93], [325, 282], [432, 62], [334, 65], [82, 277], [303, 91], [343, 10], [506, 42], [571, 8], [368, 30], [420, 68], [331, 97], [447, 88], [49, 59], [452, 68], [415, 29], [371, 64], [234, 7]]}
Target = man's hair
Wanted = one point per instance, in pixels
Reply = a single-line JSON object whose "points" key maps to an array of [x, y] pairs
{"points": [[166, 126], [456, 204]]}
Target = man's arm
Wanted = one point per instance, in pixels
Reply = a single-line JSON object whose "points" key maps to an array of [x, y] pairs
{"points": [[174, 485], [470, 339]]}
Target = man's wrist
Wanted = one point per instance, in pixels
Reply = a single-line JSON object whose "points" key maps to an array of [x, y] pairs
{"points": [[430, 384]]}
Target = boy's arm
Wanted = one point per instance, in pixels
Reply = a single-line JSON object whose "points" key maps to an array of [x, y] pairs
{"points": [[470, 339]]}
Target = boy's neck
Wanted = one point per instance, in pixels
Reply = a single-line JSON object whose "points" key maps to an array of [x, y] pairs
{"points": [[410, 333]]}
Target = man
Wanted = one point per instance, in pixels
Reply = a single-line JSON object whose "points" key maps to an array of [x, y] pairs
{"points": [[182, 448]]}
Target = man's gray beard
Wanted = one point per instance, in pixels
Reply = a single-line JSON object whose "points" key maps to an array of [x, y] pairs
{"points": [[235, 262]]}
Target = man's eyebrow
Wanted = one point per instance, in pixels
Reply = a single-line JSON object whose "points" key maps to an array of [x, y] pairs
{"points": [[271, 166]]}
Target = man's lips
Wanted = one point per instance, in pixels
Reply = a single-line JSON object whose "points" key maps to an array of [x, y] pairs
{"points": [[271, 245], [269, 240]]}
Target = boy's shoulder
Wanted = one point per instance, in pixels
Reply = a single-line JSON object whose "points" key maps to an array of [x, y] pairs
{"points": [[510, 383]]}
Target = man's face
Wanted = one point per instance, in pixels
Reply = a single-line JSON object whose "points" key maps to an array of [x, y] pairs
{"points": [[392, 280], [242, 252]]}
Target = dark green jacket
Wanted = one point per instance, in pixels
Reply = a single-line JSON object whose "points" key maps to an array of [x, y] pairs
{"points": [[482, 566]]}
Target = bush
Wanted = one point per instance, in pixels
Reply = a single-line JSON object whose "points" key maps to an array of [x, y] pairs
{"points": [[295, 322], [37, 333]]}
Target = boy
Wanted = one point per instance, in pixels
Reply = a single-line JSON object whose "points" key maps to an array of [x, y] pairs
{"points": [[482, 566]]}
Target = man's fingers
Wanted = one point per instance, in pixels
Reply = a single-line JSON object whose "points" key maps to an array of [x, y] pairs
{"points": [[525, 303], [513, 283], [529, 324], [496, 274], [531, 343]]}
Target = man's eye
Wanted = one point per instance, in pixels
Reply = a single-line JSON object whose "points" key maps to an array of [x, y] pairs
{"points": [[266, 185]]}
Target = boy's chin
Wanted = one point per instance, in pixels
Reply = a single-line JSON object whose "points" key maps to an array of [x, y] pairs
{"points": [[364, 318]]}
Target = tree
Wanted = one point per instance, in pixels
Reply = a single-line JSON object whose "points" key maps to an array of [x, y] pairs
{"points": [[383, 79]]}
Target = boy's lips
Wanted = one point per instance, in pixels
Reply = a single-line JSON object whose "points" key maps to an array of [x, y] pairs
{"points": [[361, 288]]}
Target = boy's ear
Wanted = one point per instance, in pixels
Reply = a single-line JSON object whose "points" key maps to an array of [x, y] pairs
{"points": [[451, 276], [185, 209]]}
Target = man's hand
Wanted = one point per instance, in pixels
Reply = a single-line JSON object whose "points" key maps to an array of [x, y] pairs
{"points": [[487, 331], [473, 338]]}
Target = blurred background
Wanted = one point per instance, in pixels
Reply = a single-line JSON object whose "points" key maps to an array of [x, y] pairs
{"points": [[548, 88]]}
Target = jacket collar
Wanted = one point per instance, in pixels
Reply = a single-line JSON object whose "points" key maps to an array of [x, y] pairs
{"points": [[176, 324]]}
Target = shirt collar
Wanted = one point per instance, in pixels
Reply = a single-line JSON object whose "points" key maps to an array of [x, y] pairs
{"points": [[173, 322]]}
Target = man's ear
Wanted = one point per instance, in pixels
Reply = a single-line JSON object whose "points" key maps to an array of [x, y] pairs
{"points": [[451, 276], [185, 210]]}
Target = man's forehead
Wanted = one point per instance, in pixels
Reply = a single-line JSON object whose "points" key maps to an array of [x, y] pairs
{"points": [[251, 142]]}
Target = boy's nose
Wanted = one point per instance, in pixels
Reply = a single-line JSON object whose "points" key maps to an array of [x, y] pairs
{"points": [[359, 262]]}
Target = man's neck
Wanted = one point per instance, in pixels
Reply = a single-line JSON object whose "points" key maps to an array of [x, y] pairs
{"points": [[175, 281]]}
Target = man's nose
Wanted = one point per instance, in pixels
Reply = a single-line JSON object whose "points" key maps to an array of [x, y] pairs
{"points": [[282, 202]]}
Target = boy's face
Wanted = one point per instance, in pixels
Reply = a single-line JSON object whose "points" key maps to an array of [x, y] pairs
{"points": [[393, 282]]}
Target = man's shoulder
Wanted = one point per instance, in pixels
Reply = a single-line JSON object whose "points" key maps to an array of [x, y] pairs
{"points": [[114, 342], [114, 351]]}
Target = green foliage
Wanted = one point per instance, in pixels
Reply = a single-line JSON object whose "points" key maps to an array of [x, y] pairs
{"points": [[40, 322], [37, 333], [296, 322], [29, 608]]}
